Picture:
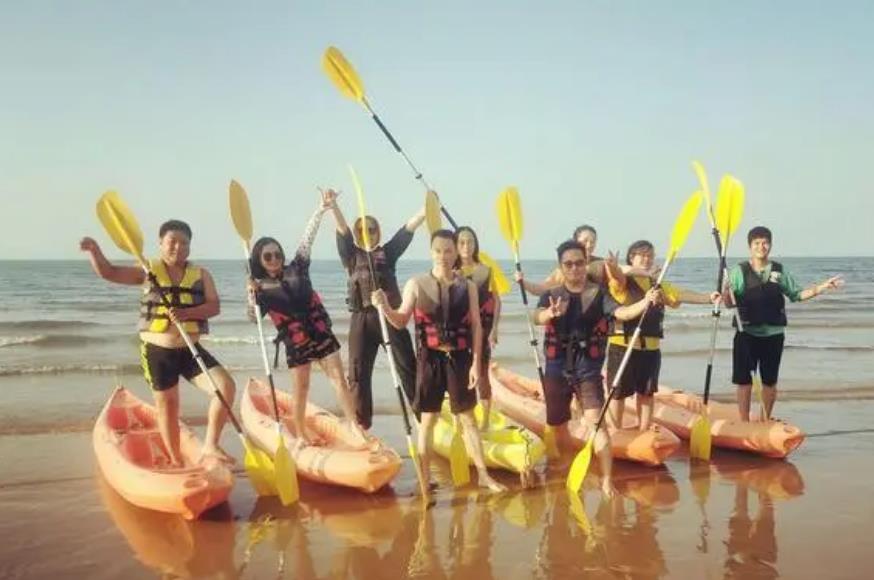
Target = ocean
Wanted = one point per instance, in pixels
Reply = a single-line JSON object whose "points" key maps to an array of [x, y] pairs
{"points": [[67, 337]]}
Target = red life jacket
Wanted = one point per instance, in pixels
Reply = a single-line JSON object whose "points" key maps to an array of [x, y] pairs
{"points": [[442, 313]]}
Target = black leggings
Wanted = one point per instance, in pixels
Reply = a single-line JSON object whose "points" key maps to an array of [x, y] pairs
{"points": [[365, 337]]}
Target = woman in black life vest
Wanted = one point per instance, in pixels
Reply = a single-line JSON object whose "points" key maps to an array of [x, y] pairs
{"points": [[489, 308], [365, 336], [285, 293]]}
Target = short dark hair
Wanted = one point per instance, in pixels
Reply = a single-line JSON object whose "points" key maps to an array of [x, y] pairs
{"points": [[174, 226], [758, 232], [584, 228], [445, 235], [636, 248], [567, 246]]}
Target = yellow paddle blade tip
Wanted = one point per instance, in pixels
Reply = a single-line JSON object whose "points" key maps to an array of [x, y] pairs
{"points": [[579, 468], [342, 74]]}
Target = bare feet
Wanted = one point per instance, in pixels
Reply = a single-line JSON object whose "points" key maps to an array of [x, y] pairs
{"points": [[486, 481], [607, 488], [215, 452]]}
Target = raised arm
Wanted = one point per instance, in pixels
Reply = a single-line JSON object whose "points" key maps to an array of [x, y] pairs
{"points": [[131, 275], [312, 228], [401, 316], [415, 221], [330, 197]]}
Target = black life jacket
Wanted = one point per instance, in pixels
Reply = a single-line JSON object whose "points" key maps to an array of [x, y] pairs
{"points": [[481, 276], [360, 284], [442, 313], [653, 322], [580, 332], [295, 309], [761, 302]]}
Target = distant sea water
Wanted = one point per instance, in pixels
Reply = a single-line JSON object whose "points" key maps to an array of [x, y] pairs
{"points": [[67, 337]]}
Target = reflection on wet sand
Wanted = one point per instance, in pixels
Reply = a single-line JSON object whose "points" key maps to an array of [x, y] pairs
{"points": [[751, 547], [542, 532], [169, 544]]}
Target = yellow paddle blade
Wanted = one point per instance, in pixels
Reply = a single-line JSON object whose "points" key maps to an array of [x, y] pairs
{"points": [[580, 467], [729, 207], [342, 74], [683, 225], [458, 463], [575, 505], [704, 187], [549, 442], [259, 469], [699, 477], [757, 389], [365, 236], [499, 279], [433, 219], [700, 442], [120, 223], [509, 210], [286, 475], [497, 420], [240, 213]]}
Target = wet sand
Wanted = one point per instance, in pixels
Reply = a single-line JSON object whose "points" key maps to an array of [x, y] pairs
{"points": [[738, 517]]}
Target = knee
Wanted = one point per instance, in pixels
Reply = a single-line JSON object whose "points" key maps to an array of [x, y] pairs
{"points": [[167, 402], [602, 442]]}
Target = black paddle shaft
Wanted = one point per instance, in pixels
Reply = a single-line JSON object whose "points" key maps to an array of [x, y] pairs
{"points": [[194, 352], [416, 172], [720, 279]]}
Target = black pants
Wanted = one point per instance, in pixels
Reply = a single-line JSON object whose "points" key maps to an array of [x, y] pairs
{"points": [[365, 337]]}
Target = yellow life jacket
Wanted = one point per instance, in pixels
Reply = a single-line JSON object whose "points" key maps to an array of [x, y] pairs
{"points": [[189, 292]]}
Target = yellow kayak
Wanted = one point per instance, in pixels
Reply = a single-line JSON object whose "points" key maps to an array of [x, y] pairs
{"points": [[505, 446]]}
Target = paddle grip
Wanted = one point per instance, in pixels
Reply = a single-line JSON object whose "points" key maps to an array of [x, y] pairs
{"points": [[522, 285], [194, 353]]}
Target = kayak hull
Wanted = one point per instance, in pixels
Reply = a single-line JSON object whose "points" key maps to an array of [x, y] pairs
{"points": [[678, 411], [134, 461], [508, 447], [344, 459], [521, 399]]}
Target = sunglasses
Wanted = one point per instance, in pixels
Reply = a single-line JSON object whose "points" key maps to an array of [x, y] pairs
{"points": [[270, 256], [574, 264]]}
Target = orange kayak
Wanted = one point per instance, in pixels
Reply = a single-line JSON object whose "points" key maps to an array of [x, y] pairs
{"points": [[135, 461], [343, 458], [521, 399], [678, 411]]}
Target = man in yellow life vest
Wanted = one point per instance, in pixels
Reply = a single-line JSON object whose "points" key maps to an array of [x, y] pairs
{"points": [[164, 356]]}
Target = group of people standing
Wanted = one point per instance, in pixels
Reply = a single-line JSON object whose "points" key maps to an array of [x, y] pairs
{"points": [[589, 307]]}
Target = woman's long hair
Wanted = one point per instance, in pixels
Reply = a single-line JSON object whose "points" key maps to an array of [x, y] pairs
{"points": [[475, 256], [256, 270]]}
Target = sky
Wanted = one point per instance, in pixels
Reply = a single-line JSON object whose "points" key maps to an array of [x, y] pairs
{"points": [[594, 110]]}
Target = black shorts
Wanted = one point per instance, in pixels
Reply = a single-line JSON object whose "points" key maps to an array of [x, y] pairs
{"points": [[439, 372], [162, 366], [559, 390], [756, 352], [641, 375]]}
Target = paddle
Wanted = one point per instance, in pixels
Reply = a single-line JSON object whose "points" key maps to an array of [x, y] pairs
{"points": [[286, 472], [386, 343], [122, 227], [459, 466], [509, 210], [682, 226], [344, 77], [724, 221]]}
